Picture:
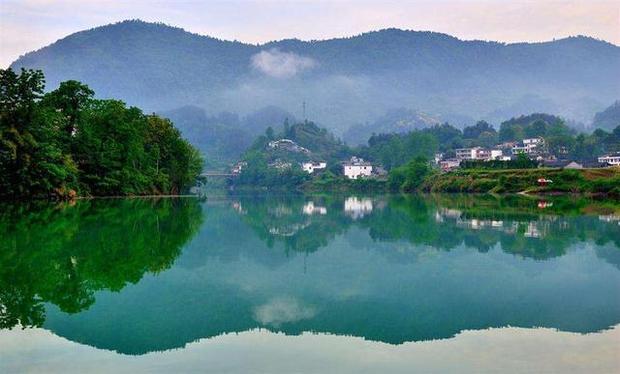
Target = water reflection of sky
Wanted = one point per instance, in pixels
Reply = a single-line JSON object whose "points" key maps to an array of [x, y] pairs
{"points": [[382, 282], [505, 350]]}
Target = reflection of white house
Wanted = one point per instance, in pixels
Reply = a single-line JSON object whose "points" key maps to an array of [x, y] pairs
{"points": [[357, 168], [357, 208], [310, 167], [310, 209], [288, 230], [532, 231], [610, 218]]}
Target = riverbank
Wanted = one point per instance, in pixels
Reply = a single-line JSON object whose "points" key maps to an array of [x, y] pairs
{"points": [[605, 181], [343, 184]]}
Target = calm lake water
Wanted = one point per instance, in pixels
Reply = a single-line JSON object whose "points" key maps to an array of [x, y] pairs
{"points": [[311, 284]]}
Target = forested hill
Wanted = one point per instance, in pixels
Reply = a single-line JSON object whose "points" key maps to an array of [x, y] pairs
{"points": [[344, 81], [609, 118]]}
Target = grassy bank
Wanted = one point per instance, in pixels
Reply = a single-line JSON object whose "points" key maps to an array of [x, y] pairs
{"points": [[343, 184], [585, 181]]}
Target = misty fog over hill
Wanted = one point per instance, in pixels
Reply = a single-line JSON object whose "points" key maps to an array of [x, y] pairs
{"points": [[356, 81]]}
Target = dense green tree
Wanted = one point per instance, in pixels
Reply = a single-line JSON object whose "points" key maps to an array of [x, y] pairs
{"points": [[70, 99], [66, 143], [473, 132], [393, 150], [410, 176], [31, 159]]}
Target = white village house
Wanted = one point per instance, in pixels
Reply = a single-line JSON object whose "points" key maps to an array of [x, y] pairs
{"points": [[479, 153], [476, 153], [310, 167], [357, 168], [612, 160], [449, 164], [532, 146]]}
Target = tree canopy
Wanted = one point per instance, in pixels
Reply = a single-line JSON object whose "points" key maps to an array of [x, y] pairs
{"points": [[66, 143]]}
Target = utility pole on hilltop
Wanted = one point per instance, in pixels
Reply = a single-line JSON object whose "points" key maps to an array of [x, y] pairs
{"points": [[304, 111]]}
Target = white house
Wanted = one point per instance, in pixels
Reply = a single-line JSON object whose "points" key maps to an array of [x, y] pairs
{"points": [[238, 167], [613, 160], [496, 154], [357, 168], [310, 167], [449, 164], [531, 146], [476, 153]]}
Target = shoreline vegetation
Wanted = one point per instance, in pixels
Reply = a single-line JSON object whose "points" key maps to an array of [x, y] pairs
{"points": [[601, 181], [66, 144], [585, 182]]}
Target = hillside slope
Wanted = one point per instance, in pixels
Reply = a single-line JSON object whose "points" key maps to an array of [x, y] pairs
{"points": [[344, 81]]}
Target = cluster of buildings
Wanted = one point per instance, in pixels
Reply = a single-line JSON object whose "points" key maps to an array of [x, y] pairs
{"points": [[534, 148], [288, 145], [355, 168]]}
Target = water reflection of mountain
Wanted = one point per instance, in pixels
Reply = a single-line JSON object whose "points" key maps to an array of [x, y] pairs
{"points": [[408, 269]]}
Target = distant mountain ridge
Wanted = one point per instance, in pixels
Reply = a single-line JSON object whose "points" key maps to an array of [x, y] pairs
{"points": [[344, 81]]}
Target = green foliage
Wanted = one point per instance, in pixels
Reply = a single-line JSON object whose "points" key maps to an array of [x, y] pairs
{"points": [[521, 162], [473, 132], [533, 126], [66, 143], [31, 157], [323, 146], [329, 181], [588, 147], [409, 177], [258, 173], [587, 181], [393, 150]]}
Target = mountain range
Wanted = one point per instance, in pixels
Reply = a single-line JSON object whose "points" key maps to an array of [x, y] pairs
{"points": [[339, 83]]}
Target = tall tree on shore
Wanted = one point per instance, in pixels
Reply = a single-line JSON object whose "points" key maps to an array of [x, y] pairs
{"points": [[66, 143]]}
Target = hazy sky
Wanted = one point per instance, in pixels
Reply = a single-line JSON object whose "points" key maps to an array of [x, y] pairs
{"points": [[26, 25]]}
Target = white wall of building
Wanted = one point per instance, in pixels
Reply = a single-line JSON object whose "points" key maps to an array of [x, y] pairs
{"points": [[611, 160], [356, 171], [310, 167]]}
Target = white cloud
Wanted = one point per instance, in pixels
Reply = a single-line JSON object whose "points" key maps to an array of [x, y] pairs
{"points": [[282, 310], [280, 64]]}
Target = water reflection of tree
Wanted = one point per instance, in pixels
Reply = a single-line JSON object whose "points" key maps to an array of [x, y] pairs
{"points": [[443, 222], [282, 219], [481, 222], [63, 254]]}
